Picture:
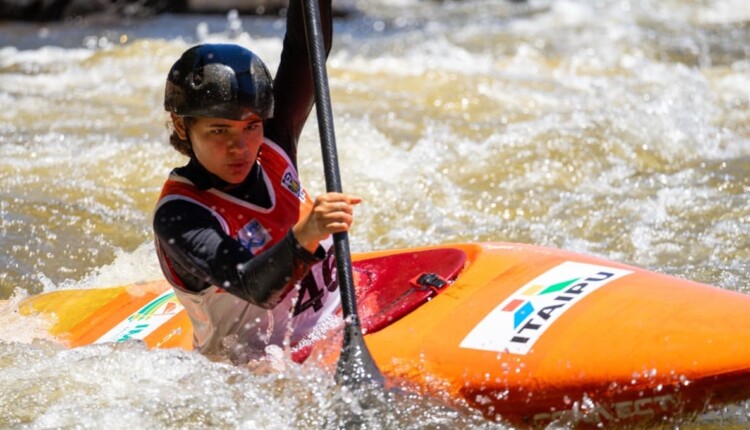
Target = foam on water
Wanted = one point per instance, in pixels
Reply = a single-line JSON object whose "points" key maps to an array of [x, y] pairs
{"points": [[163, 389], [17, 328], [574, 82]]}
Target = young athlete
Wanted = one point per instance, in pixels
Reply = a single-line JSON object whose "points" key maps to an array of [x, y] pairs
{"points": [[235, 230]]}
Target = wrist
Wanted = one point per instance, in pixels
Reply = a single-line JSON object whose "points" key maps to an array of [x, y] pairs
{"points": [[306, 242]]}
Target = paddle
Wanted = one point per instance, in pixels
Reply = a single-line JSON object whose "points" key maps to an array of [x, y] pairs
{"points": [[355, 366]]}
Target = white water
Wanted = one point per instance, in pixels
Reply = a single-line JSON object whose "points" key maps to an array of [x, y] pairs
{"points": [[615, 128]]}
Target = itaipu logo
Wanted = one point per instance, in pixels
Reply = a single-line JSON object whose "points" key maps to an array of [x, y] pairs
{"points": [[145, 320], [520, 320], [162, 305]]}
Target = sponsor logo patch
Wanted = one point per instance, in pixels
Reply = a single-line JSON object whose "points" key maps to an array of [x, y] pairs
{"points": [[291, 182], [145, 320], [253, 236], [519, 321]]}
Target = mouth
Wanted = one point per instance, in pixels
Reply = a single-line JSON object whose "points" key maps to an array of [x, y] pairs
{"points": [[238, 164], [238, 169]]}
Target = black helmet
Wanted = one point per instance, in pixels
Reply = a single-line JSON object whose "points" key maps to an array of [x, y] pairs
{"points": [[219, 81]]}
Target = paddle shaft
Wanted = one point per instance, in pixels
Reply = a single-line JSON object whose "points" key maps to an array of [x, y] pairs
{"points": [[355, 364]]}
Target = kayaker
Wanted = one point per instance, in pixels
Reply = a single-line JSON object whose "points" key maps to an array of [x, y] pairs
{"points": [[235, 230]]}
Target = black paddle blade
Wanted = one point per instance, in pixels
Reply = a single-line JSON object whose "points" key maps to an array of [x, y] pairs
{"points": [[356, 368]]}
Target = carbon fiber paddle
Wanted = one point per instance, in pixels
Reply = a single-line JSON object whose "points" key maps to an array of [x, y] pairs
{"points": [[355, 367]]}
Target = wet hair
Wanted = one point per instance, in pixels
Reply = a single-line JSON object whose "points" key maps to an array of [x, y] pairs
{"points": [[183, 146]]}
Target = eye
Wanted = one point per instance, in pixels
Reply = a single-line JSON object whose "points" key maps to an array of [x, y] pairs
{"points": [[218, 131], [252, 125]]}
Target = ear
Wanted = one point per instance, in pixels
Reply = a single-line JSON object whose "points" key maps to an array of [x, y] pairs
{"points": [[179, 126]]}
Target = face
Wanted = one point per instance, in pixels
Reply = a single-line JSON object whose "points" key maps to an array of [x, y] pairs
{"points": [[227, 148]]}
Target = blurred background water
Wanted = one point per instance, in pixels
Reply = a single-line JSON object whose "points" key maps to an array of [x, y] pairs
{"points": [[618, 128]]}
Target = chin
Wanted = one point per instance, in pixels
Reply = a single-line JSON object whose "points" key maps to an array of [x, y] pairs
{"points": [[234, 180]]}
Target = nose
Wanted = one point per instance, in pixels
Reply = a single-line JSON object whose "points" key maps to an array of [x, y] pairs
{"points": [[236, 144]]}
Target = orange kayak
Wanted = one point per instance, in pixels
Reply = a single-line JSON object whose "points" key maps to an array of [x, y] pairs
{"points": [[522, 333]]}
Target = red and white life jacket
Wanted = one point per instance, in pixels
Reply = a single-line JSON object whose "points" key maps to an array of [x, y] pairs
{"points": [[224, 323]]}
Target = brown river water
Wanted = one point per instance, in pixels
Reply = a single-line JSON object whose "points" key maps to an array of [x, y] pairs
{"points": [[617, 128]]}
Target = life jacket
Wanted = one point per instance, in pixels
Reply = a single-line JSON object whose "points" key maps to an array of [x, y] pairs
{"points": [[225, 324]]}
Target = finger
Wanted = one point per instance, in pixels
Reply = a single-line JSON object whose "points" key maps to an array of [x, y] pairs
{"points": [[345, 207], [337, 227], [330, 211], [340, 197], [336, 207], [337, 216]]}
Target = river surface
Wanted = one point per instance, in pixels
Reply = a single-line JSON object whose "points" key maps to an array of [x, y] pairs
{"points": [[614, 128]]}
